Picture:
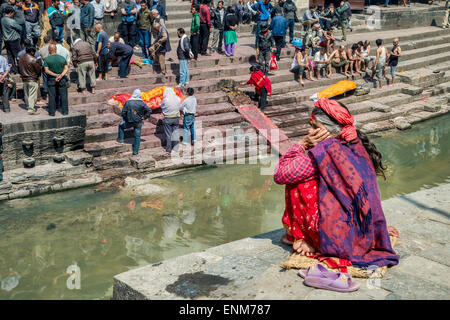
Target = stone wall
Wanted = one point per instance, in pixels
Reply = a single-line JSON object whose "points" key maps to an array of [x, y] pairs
{"points": [[42, 140]]}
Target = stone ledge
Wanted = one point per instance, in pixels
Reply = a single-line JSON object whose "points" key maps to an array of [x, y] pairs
{"points": [[250, 268]]}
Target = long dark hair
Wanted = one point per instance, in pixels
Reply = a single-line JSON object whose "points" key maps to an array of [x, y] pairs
{"points": [[333, 126]]}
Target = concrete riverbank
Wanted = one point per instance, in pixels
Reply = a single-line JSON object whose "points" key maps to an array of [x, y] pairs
{"points": [[250, 268]]}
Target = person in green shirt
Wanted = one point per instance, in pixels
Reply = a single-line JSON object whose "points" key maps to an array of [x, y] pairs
{"points": [[144, 22], [56, 68], [195, 29], [342, 14]]}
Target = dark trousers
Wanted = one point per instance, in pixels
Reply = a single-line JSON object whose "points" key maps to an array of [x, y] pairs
{"points": [[4, 89], [204, 38], [1, 168], [262, 103], [44, 83], [103, 65], [137, 126], [170, 125], [12, 49], [291, 29], [195, 44], [279, 43], [128, 33], [57, 91], [124, 64]]}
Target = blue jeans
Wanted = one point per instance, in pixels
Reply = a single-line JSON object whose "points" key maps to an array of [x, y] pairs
{"points": [[124, 65], [144, 41], [60, 33], [188, 125], [184, 72], [291, 26], [386, 3], [137, 133], [393, 71]]}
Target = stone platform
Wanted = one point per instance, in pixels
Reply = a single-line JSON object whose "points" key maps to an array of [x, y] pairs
{"points": [[39, 136], [250, 268]]}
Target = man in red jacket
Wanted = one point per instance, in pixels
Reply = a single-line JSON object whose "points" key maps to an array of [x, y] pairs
{"points": [[205, 27]]}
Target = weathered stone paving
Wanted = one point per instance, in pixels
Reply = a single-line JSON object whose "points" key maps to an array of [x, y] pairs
{"points": [[250, 268]]}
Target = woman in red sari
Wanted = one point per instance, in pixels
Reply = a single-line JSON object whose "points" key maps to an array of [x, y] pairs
{"points": [[332, 200]]}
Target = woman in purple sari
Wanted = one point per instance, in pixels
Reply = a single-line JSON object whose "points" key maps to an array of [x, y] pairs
{"points": [[333, 207]]}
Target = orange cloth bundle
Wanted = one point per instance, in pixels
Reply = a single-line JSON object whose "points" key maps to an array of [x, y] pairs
{"points": [[152, 98], [337, 89], [121, 98]]}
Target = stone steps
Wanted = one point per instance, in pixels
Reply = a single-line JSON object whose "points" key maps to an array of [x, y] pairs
{"points": [[153, 141]]}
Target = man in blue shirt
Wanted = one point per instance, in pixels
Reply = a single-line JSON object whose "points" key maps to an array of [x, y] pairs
{"points": [[128, 28], [278, 26], [264, 8], [101, 51], [87, 13], [4, 89]]}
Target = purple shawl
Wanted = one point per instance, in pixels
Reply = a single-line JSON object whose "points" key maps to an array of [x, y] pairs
{"points": [[352, 225]]}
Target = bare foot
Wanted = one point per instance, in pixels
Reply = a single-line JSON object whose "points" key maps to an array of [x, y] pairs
{"points": [[393, 232], [327, 75], [302, 83], [284, 240], [346, 74], [380, 88], [303, 248]]}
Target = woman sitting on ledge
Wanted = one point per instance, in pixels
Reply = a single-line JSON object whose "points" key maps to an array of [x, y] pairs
{"points": [[333, 206]]}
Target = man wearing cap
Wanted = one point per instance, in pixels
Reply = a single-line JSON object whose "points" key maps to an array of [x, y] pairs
{"points": [[264, 43], [264, 8]]}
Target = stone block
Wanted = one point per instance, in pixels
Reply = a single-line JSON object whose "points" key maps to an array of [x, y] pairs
{"points": [[142, 161], [76, 158], [431, 107], [401, 123], [380, 107]]}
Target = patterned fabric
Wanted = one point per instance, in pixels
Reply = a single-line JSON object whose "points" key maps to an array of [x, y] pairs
{"points": [[340, 114], [351, 224], [295, 167], [301, 214]]}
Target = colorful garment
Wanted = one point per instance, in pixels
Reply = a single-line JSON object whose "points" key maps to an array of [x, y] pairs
{"points": [[259, 80], [332, 198]]}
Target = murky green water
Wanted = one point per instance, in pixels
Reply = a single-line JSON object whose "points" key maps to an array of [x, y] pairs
{"points": [[106, 233]]}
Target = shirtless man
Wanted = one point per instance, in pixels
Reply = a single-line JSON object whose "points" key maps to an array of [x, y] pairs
{"points": [[380, 62], [394, 54], [339, 59], [355, 59]]}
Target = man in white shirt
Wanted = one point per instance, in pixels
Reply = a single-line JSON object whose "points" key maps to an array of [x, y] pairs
{"points": [[99, 11], [321, 63]]}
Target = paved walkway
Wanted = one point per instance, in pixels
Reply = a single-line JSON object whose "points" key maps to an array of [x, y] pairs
{"points": [[250, 268]]}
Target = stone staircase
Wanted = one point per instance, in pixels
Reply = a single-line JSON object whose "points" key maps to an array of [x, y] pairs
{"points": [[424, 50]]}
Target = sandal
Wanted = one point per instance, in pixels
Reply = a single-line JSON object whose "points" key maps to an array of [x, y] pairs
{"points": [[340, 282], [317, 270]]}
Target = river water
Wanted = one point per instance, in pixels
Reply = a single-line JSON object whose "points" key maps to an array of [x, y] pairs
{"points": [[94, 235]]}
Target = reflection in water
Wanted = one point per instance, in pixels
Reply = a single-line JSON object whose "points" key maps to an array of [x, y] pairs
{"points": [[106, 233]]}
